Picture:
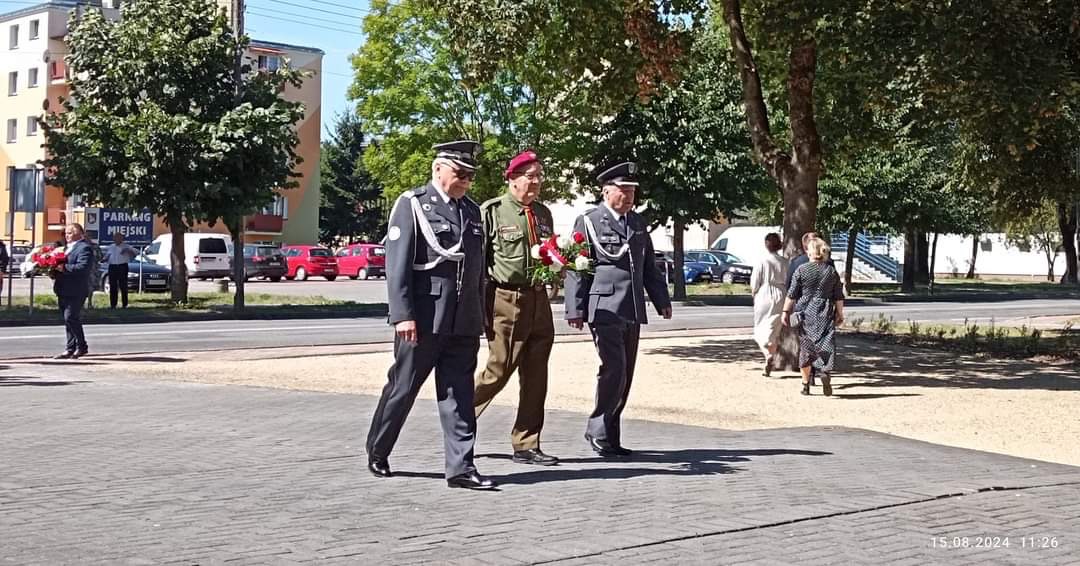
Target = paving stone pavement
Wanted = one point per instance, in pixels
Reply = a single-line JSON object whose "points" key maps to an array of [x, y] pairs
{"points": [[123, 470]]}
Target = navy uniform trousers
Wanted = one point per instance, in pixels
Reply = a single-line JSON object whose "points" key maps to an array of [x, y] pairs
{"points": [[617, 346], [453, 358]]}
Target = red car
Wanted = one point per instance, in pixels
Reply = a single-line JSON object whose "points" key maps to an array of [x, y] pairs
{"points": [[305, 261], [361, 261]]}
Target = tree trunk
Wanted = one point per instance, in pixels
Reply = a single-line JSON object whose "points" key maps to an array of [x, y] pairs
{"points": [[177, 258], [237, 229], [910, 245], [922, 259], [677, 243], [974, 256], [1067, 221], [849, 259], [796, 174], [933, 261]]}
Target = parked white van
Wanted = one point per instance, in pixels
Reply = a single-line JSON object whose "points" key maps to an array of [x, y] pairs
{"points": [[746, 242], [207, 255]]}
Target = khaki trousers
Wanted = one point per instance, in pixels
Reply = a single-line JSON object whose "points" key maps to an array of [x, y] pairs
{"points": [[523, 335]]}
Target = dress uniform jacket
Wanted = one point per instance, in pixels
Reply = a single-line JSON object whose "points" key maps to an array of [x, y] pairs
{"points": [[612, 301], [439, 289], [444, 298], [617, 290]]}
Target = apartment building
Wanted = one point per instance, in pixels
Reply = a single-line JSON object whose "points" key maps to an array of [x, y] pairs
{"points": [[33, 76]]}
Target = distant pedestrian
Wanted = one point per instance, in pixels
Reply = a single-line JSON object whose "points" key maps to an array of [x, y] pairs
{"points": [[118, 256], [767, 284], [72, 286], [803, 258], [4, 267], [816, 298]]}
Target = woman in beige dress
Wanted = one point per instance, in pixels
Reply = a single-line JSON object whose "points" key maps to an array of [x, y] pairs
{"points": [[768, 284]]}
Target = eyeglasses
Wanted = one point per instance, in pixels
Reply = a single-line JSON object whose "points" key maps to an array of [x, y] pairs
{"points": [[464, 175]]}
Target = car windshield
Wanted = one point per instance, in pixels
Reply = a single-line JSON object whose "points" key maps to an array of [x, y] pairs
{"points": [[20, 249], [319, 252], [267, 251], [731, 259]]}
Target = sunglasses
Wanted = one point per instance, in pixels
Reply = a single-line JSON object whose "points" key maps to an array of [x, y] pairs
{"points": [[464, 175]]}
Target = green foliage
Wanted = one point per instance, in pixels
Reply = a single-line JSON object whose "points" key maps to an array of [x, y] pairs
{"points": [[157, 120], [352, 206], [689, 141], [1037, 230], [412, 91]]}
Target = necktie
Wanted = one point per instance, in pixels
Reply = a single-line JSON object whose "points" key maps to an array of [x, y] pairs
{"points": [[533, 239]]}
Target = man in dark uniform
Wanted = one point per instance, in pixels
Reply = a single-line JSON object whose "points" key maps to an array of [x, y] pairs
{"points": [[434, 265], [520, 327], [612, 300], [72, 286]]}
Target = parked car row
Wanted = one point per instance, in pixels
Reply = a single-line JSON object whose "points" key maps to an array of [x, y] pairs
{"points": [[701, 266]]}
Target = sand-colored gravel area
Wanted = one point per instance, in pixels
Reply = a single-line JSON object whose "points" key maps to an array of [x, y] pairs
{"points": [[1021, 408]]}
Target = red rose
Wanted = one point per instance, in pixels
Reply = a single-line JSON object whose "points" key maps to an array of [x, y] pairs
{"points": [[545, 259], [579, 238], [584, 252]]}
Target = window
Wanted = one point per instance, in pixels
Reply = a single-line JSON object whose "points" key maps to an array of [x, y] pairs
{"points": [[28, 220], [12, 130], [269, 63], [319, 252], [280, 207], [32, 78], [35, 29], [13, 83], [31, 125], [154, 249], [212, 246], [722, 244], [13, 37]]}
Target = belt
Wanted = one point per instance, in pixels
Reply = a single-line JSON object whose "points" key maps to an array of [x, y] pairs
{"points": [[519, 288]]}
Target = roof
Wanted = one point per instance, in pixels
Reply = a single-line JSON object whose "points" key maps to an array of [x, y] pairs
{"points": [[258, 43], [54, 4], [69, 4]]}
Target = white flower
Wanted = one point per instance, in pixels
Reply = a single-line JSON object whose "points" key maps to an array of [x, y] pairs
{"points": [[582, 263], [535, 251], [563, 242]]}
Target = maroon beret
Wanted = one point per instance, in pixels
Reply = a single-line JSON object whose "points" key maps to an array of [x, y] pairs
{"points": [[519, 161]]}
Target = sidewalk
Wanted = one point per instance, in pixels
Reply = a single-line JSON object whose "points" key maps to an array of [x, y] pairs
{"points": [[1020, 408], [117, 468]]}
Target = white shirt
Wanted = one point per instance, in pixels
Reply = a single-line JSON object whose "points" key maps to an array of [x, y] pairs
{"points": [[119, 254], [441, 191]]}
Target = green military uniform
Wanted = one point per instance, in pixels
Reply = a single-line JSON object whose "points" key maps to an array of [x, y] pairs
{"points": [[519, 322]]}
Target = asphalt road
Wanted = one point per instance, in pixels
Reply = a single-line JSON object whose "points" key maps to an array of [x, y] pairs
{"points": [[218, 335]]}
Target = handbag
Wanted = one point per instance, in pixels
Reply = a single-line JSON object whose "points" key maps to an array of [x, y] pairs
{"points": [[795, 319]]}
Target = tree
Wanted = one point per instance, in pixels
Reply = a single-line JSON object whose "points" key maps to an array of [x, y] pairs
{"points": [[1041, 229], [157, 120], [412, 91], [352, 204], [691, 147]]}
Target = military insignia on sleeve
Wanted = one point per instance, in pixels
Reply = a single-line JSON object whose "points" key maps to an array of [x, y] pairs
{"points": [[394, 233]]}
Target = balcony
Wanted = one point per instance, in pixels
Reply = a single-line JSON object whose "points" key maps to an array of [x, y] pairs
{"points": [[57, 70], [264, 224], [56, 218]]}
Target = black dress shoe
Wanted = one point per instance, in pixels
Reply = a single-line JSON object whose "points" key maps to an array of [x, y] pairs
{"points": [[604, 448], [534, 456], [379, 468], [621, 451], [79, 353], [471, 480], [64, 356]]}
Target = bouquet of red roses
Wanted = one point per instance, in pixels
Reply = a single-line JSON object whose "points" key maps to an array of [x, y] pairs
{"points": [[48, 260], [559, 253]]}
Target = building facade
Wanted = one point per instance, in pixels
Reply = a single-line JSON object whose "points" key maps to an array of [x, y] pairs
{"points": [[33, 76]]}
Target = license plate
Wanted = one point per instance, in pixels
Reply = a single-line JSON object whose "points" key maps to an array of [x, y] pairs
{"points": [[273, 263], [154, 282]]}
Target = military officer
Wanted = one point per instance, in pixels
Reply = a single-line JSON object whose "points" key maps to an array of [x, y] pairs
{"points": [[519, 321], [612, 299], [434, 265]]}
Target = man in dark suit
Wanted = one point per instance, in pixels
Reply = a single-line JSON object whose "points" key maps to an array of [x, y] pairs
{"points": [[612, 299], [434, 266], [72, 286]]}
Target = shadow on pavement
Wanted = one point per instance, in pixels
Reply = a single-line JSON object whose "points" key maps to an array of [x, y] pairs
{"points": [[29, 381], [687, 462], [878, 364]]}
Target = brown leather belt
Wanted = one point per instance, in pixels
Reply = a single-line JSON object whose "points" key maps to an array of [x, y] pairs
{"points": [[519, 288]]}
